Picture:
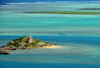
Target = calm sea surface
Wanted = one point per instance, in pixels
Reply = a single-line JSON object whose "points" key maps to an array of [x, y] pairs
{"points": [[79, 35]]}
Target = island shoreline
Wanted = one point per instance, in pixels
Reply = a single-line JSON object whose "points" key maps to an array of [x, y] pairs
{"points": [[25, 43]]}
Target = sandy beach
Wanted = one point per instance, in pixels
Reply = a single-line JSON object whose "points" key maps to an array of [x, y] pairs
{"points": [[52, 47], [45, 47]]}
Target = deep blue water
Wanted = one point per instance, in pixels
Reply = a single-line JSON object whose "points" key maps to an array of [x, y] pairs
{"points": [[13, 1], [67, 39], [41, 0], [5, 64]]}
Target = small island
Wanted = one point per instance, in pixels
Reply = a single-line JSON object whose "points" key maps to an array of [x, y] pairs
{"points": [[66, 12], [89, 9], [24, 43]]}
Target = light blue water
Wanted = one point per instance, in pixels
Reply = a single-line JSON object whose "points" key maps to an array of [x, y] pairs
{"points": [[79, 35]]}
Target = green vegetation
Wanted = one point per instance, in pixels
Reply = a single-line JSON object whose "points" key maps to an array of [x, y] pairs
{"points": [[34, 43], [26, 45], [37, 41], [16, 44], [9, 43], [10, 47], [66, 12], [47, 43]]}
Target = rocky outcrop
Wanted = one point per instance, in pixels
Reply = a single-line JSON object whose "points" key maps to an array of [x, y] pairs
{"points": [[23, 43], [30, 39], [4, 52]]}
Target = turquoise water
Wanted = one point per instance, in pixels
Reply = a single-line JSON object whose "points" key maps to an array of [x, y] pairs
{"points": [[50, 24], [79, 35]]}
